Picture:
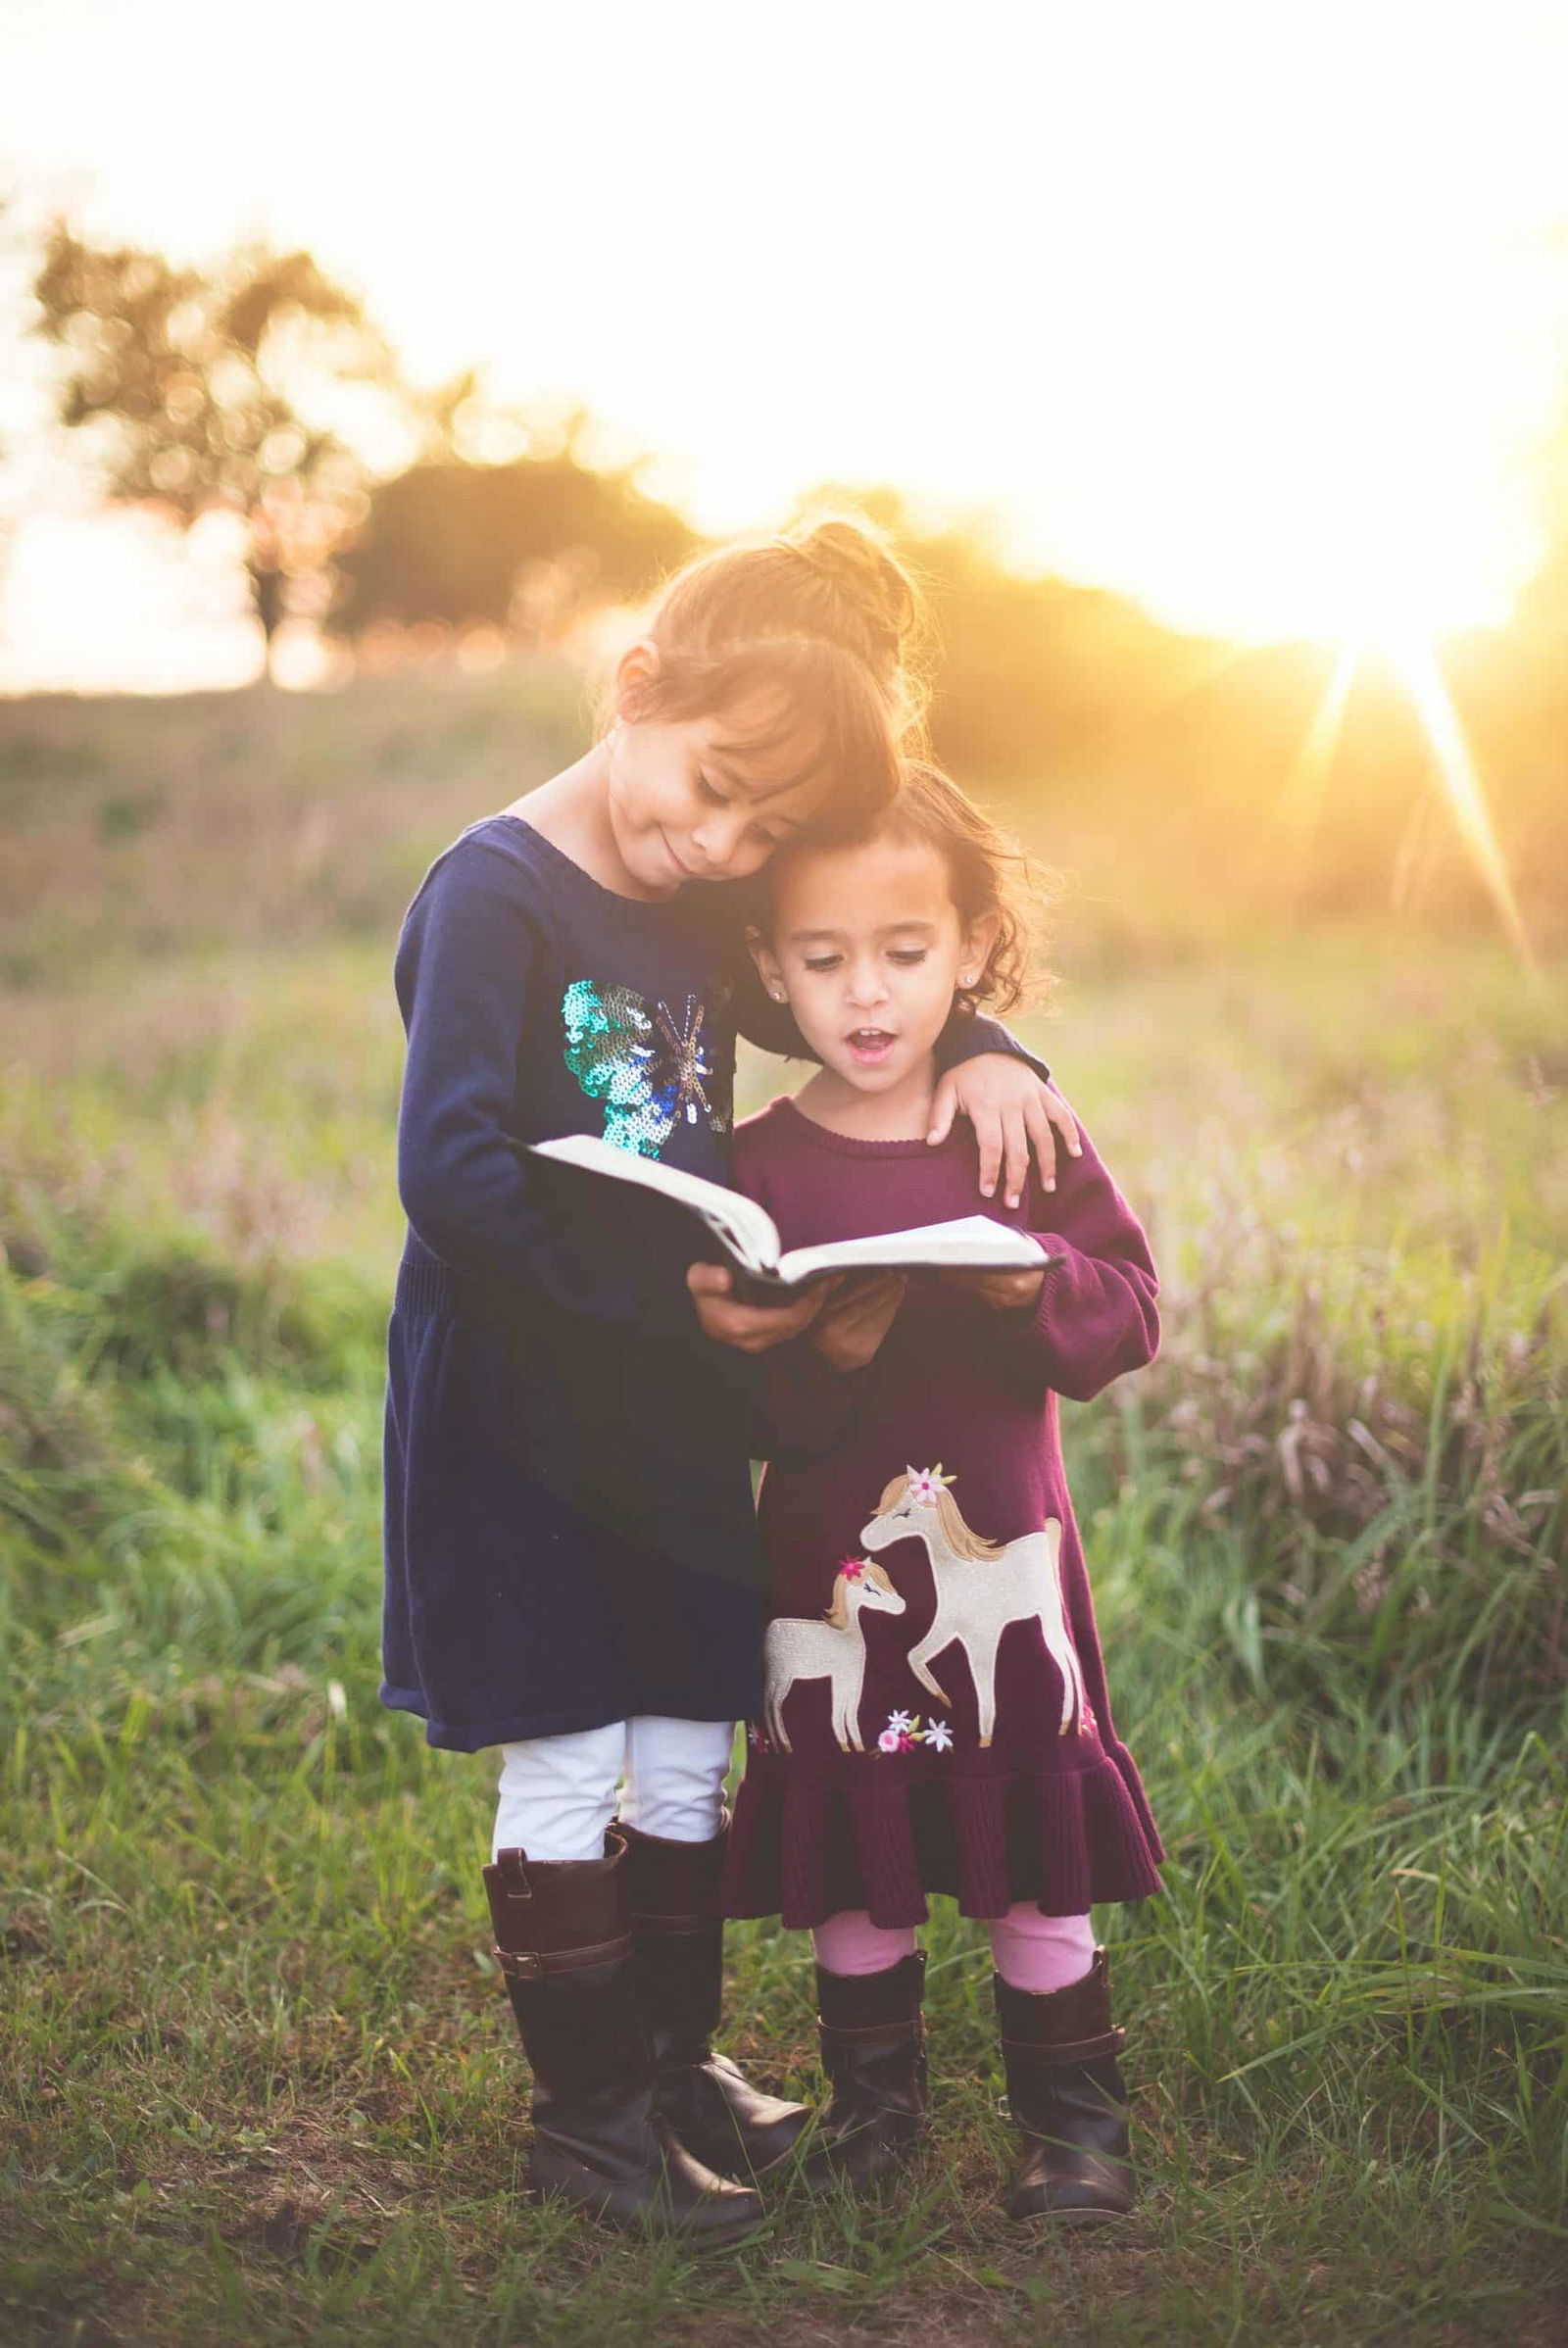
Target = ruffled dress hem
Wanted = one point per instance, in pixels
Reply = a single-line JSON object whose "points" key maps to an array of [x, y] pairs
{"points": [[879, 1835]]}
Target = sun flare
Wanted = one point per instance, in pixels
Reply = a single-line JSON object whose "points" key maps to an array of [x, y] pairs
{"points": [[1400, 506], [1416, 665]]}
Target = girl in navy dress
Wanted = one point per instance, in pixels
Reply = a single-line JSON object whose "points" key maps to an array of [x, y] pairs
{"points": [[572, 1564], [935, 1714]]}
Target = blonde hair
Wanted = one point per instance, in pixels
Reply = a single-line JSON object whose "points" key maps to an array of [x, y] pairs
{"points": [[824, 625], [954, 1532], [838, 1612]]}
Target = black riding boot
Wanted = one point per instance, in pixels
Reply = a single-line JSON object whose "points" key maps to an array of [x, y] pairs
{"points": [[564, 1945], [872, 2037], [678, 1957], [1064, 2086]]}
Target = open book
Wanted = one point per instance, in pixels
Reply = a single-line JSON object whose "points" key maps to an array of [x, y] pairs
{"points": [[749, 1234]]}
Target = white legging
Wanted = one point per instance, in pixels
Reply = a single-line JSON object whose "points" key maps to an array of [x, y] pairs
{"points": [[559, 1793]]}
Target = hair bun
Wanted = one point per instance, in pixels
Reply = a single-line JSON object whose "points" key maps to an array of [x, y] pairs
{"points": [[856, 560]]}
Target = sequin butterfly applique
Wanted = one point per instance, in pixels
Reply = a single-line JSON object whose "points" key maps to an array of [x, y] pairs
{"points": [[650, 1064]]}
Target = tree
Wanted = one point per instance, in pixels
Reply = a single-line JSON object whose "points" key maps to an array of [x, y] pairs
{"points": [[222, 390], [523, 545]]}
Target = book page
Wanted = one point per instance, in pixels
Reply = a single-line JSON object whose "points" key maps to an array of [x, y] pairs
{"points": [[971, 1242]]}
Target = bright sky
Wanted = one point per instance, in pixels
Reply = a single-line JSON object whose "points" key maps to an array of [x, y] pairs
{"points": [[1254, 311]]}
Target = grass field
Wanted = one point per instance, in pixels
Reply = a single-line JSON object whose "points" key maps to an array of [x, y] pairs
{"points": [[258, 2076]]}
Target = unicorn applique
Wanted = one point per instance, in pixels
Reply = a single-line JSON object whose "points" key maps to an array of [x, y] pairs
{"points": [[982, 1585], [832, 1648]]}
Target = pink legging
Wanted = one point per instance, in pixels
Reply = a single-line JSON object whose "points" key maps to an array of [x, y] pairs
{"points": [[1030, 1951]]}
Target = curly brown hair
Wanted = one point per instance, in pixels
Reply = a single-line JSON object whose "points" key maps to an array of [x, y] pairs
{"points": [[991, 876]]}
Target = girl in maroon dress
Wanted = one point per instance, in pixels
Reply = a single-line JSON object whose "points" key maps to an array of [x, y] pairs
{"points": [[936, 1716]]}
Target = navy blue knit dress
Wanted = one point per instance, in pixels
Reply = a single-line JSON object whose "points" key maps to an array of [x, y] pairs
{"points": [[569, 1536]]}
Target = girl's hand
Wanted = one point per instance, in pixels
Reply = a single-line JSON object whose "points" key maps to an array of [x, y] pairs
{"points": [[1004, 1291], [1012, 1112], [750, 1328], [850, 1327]]}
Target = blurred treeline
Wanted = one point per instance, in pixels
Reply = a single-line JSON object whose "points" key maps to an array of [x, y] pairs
{"points": [[412, 526]]}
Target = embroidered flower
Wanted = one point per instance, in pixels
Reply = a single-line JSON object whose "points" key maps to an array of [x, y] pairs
{"points": [[852, 1568], [904, 1733], [926, 1485]]}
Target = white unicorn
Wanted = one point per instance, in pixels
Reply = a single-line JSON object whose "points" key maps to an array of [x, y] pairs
{"points": [[982, 1585], [830, 1648]]}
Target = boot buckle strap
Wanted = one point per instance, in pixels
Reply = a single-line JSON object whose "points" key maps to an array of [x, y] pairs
{"points": [[512, 1874], [519, 1965], [532, 1964], [1076, 2050]]}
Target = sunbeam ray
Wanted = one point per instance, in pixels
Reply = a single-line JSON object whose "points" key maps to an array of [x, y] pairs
{"points": [[1306, 786], [1415, 663]]}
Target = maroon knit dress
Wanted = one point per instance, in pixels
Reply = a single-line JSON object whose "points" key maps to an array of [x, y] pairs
{"points": [[937, 1717]]}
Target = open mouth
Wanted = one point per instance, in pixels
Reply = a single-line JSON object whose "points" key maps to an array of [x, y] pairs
{"points": [[870, 1044]]}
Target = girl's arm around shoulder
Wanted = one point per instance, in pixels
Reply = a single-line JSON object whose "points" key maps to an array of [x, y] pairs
{"points": [[1095, 1314], [470, 975]]}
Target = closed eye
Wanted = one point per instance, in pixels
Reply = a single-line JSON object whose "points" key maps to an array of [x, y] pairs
{"points": [[824, 961], [718, 799], [907, 957]]}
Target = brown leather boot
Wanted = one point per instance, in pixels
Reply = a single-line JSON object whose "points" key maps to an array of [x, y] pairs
{"points": [[1065, 2089], [678, 1960], [564, 1946], [872, 2037]]}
